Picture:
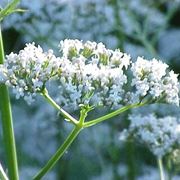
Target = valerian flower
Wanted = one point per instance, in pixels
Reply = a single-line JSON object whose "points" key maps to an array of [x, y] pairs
{"points": [[91, 68], [160, 135], [28, 71], [152, 79], [89, 73]]}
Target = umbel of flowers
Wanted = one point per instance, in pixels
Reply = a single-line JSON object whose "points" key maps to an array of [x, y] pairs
{"points": [[28, 71], [89, 73], [160, 135]]}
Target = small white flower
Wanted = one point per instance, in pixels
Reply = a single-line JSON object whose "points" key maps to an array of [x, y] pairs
{"points": [[69, 46]]}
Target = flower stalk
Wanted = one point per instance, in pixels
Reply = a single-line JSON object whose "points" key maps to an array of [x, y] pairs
{"points": [[161, 169], [63, 148], [59, 153], [112, 114], [56, 106], [7, 125], [79, 125]]}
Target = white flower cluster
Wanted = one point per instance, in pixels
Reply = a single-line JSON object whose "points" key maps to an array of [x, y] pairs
{"points": [[161, 135], [89, 73], [152, 78], [28, 71], [91, 68]]}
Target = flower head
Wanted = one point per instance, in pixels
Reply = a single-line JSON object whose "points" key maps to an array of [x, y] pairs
{"points": [[28, 71], [152, 79], [91, 68], [160, 135]]}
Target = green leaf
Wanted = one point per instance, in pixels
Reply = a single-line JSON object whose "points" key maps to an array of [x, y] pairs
{"points": [[9, 9]]}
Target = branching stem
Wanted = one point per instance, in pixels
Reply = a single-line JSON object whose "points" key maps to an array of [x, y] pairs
{"points": [[56, 106]]}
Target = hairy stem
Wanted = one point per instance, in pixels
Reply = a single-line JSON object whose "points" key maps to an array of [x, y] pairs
{"points": [[7, 125]]}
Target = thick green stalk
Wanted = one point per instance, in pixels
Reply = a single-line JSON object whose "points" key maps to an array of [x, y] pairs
{"points": [[64, 146], [2, 174], [56, 106], [59, 153], [161, 169], [113, 114], [7, 125]]}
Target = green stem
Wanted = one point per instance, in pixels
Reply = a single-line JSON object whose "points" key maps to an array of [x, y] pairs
{"points": [[161, 169], [59, 153], [2, 174], [56, 106], [7, 125], [110, 115], [83, 115]]}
